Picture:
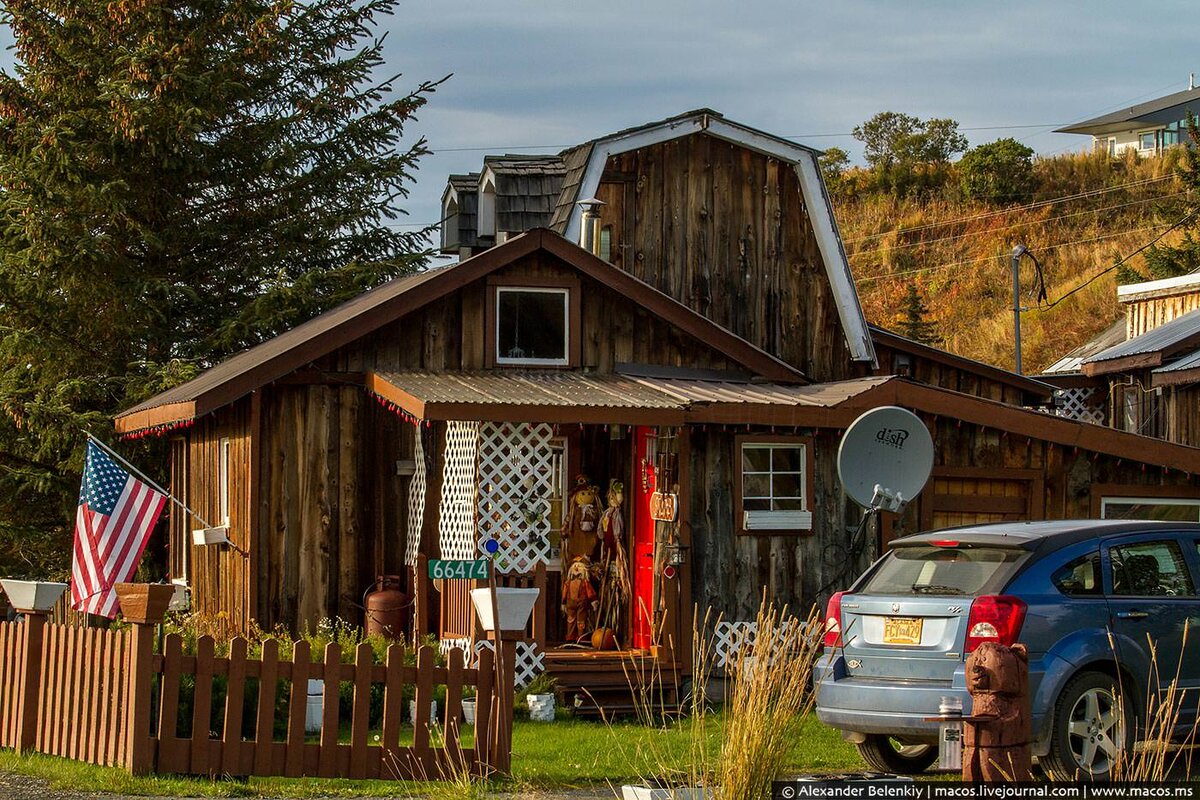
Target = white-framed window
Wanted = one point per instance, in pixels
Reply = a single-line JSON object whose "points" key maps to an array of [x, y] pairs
{"points": [[533, 326], [773, 485], [223, 482], [1147, 140], [1171, 509]]}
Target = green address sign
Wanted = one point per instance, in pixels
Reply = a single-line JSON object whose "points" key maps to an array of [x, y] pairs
{"points": [[477, 569]]}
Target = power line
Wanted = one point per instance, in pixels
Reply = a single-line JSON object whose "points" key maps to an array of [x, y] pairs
{"points": [[1123, 259], [1028, 207], [1040, 249], [1046, 221]]}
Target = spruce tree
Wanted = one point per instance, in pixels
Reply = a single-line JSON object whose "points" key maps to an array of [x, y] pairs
{"points": [[915, 324], [179, 181]]}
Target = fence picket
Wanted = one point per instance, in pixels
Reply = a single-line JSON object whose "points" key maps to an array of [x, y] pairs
{"points": [[455, 662], [421, 721], [393, 703], [485, 704], [327, 766], [301, 665], [53, 710], [364, 659], [83, 734], [235, 694], [202, 706], [264, 725], [171, 756], [8, 684]]}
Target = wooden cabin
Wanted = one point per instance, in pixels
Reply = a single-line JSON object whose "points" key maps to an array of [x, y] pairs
{"points": [[709, 364]]}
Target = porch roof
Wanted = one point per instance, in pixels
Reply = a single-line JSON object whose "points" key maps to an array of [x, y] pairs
{"points": [[557, 396]]}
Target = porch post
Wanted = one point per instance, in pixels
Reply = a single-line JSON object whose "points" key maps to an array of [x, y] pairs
{"points": [[144, 605], [29, 679]]}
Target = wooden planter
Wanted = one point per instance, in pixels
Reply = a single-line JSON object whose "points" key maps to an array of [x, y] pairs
{"points": [[144, 602]]}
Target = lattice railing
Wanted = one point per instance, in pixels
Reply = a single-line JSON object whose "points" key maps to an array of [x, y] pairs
{"points": [[515, 481], [729, 638], [1078, 404]]}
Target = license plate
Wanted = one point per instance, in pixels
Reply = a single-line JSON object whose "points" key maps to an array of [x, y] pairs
{"points": [[902, 630]]}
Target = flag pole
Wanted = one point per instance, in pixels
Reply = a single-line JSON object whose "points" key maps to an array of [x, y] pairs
{"points": [[144, 477]]}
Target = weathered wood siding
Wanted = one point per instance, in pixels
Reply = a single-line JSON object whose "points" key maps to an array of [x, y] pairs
{"points": [[935, 373], [220, 577], [1148, 313], [334, 510], [450, 334], [724, 231], [981, 475]]}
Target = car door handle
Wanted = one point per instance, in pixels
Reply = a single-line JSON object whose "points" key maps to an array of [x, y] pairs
{"points": [[1132, 614]]}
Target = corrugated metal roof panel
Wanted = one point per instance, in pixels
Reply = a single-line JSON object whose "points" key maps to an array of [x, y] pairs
{"points": [[1073, 361], [1162, 338], [1190, 361]]}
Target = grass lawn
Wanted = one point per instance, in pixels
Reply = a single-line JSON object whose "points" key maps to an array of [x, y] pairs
{"points": [[563, 754]]}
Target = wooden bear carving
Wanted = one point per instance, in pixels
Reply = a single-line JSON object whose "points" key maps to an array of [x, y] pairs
{"points": [[996, 737]]}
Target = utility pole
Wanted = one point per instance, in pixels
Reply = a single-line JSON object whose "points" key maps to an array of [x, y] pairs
{"points": [[1017, 252]]}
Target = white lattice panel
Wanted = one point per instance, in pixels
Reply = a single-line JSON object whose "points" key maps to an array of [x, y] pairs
{"points": [[515, 478], [416, 502], [1077, 404], [531, 662], [456, 515], [729, 638]]}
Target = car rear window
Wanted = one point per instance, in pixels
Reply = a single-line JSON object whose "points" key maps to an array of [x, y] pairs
{"points": [[923, 569]]}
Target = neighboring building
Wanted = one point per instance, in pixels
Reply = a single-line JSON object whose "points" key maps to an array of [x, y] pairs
{"points": [[1149, 128], [1142, 374], [713, 358]]}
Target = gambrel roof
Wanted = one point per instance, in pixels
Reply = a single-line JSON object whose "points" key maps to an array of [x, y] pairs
{"points": [[585, 164]]}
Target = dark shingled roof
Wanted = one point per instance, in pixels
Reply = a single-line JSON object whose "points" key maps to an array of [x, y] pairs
{"points": [[527, 188], [1171, 108], [575, 160], [466, 190]]}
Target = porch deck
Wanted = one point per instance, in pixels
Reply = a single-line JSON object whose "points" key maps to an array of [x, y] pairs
{"points": [[615, 682]]}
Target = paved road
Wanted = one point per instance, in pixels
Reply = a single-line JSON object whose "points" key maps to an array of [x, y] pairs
{"points": [[22, 787]]}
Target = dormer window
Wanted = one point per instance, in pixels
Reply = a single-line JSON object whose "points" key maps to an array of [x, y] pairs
{"points": [[532, 321], [532, 326]]}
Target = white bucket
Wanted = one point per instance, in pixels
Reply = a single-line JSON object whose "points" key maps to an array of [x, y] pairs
{"points": [[468, 707], [412, 712], [541, 707], [315, 706]]}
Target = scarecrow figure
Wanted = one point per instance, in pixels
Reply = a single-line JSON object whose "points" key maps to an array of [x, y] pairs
{"points": [[578, 598], [581, 530], [614, 570], [996, 737]]}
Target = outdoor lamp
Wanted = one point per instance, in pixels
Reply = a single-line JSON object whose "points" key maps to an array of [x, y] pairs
{"points": [[33, 597]]}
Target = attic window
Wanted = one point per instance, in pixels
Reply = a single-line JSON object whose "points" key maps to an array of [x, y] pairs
{"points": [[532, 326]]}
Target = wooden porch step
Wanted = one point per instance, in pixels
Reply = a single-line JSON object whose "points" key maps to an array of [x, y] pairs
{"points": [[620, 683]]}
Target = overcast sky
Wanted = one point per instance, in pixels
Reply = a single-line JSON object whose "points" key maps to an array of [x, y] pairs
{"points": [[558, 73]]}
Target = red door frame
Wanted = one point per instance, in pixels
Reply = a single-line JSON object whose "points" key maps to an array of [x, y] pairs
{"points": [[642, 549]]}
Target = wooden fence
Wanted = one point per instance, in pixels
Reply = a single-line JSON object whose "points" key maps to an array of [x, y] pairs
{"points": [[106, 697]]}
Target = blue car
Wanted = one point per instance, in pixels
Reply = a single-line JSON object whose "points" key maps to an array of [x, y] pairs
{"points": [[1086, 597]]}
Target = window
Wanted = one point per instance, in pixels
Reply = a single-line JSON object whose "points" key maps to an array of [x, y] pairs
{"points": [[223, 483], [1079, 577], [773, 486], [1150, 569], [1169, 509], [1146, 140], [532, 326], [924, 569]]}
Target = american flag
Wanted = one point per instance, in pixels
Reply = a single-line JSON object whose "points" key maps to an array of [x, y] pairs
{"points": [[116, 514]]}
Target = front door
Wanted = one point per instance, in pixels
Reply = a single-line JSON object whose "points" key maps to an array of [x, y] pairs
{"points": [[643, 538]]}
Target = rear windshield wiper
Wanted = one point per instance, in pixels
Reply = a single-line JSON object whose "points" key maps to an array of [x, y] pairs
{"points": [[936, 588]]}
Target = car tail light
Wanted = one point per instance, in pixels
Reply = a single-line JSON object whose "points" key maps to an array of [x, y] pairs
{"points": [[994, 618], [833, 620]]}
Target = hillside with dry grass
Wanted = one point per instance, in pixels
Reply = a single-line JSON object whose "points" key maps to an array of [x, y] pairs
{"points": [[1087, 212]]}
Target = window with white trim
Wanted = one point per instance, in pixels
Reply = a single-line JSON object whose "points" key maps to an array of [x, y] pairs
{"points": [[532, 326], [1170, 509], [774, 486], [223, 483], [1147, 140]]}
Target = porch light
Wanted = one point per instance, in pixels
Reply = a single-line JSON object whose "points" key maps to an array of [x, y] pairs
{"points": [[33, 597]]}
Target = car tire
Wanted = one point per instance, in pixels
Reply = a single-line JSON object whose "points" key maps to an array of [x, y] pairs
{"points": [[884, 754], [1091, 728]]}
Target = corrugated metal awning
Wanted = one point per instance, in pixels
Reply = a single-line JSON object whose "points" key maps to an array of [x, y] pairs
{"points": [[558, 396]]}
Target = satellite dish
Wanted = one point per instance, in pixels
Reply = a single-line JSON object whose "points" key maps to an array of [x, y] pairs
{"points": [[885, 458]]}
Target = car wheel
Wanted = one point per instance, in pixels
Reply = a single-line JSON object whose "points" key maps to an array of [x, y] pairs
{"points": [[884, 754], [1091, 729]]}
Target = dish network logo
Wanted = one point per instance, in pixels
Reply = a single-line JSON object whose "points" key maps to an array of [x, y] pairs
{"points": [[892, 437]]}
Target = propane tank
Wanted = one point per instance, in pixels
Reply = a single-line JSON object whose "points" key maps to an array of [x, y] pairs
{"points": [[386, 604]]}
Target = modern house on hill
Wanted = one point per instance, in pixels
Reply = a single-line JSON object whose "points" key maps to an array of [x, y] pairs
{"points": [[704, 347], [1149, 128]]}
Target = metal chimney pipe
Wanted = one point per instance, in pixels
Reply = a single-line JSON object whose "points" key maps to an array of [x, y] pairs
{"points": [[589, 225]]}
